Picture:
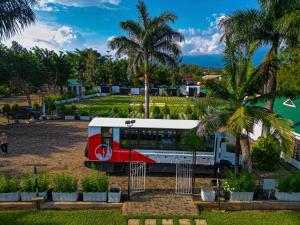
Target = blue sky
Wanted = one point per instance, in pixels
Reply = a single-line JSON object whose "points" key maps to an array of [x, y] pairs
{"points": [[68, 24]]}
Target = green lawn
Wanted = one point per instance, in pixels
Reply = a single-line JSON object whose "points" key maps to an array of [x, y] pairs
{"points": [[114, 217], [104, 105]]}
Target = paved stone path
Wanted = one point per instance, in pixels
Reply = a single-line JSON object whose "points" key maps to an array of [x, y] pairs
{"points": [[150, 222], [200, 222], [160, 204], [184, 222]]}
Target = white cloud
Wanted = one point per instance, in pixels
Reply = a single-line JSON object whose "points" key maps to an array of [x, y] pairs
{"points": [[199, 42], [54, 37], [49, 5]]}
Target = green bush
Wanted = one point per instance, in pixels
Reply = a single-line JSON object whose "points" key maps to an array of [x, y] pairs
{"points": [[266, 153], [5, 91], [130, 109], [84, 111], [141, 109], [6, 109], [156, 112], [166, 110], [188, 110], [96, 182], [27, 183], [70, 110], [91, 92], [174, 115], [15, 108], [35, 105], [289, 183], [8, 185], [243, 183], [64, 183]]}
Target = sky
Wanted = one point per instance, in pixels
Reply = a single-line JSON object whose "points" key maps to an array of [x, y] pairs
{"points": [[68, 24]]}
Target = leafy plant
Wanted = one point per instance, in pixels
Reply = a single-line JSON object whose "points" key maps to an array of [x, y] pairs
{"points": [[91, 92], [166, 110], [243, 183], [141, 109], [266, 153], [84, 111], [96, 182], [15, 108], [188, 110], [289, 183], [6, 109], [8, 185], [174, 115], [64, 183], [27, 183], [156, 112], [35, 105]]}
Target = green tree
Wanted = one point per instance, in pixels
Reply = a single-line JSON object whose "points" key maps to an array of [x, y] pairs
{"points": [[15, 16], [150, 40], [273, 24], [235, 103]]}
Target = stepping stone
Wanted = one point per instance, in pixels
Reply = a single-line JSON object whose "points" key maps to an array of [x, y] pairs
{"points": [[184, 222], [167, 222], [133, 222], [200, 222], [150, 221]]}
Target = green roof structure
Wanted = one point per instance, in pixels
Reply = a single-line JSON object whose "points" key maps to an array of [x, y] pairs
{"points": [[74, 82], [289, 109]]}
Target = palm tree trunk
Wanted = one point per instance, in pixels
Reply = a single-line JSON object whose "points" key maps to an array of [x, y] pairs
{"points": [[147, 100], [271, 84], [247, 162], [237, 156]]}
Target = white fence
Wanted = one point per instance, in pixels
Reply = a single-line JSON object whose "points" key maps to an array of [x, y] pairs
{"points": [[137, 177], [184, 179]]}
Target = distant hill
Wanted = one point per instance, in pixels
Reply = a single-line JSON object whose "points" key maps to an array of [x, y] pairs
{"points": [[217, 61]]}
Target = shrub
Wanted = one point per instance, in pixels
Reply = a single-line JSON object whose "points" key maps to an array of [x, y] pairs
{"points": [[266, 153], [70, 110], [130, 109], [96, 182], [5, 91], [27, 183], [91, 92], [244, 183], [64, 183], [84, 111], [141, 109], [8, 185], [174, 115], [166, 110], [15, 108], [188, 110], [290, 183], [156, 112], [6, 109], [35, 105]]}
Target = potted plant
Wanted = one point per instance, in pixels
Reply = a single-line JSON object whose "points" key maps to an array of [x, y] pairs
{"points": [[289, 188], [27, 186], [95, 187], [208, 193], [64, 188], [114, 194], [9, 189], [84, 114], [241, 188], [70, 112]]}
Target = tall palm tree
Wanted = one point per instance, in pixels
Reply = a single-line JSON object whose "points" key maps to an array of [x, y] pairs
{"points": [[235, 103], [15, 15], [274, 24], [150, 40]]}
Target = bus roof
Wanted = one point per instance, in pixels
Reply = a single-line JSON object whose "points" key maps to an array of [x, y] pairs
{"points": [[145, 123]]}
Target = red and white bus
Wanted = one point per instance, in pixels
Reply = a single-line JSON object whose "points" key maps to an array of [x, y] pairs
{"points": [[154, 141]]}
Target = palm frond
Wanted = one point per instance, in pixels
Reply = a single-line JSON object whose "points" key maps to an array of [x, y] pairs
{"points": [[15, 15], [211, 123]]}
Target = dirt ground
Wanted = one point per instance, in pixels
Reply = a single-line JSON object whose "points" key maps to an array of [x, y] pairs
{"points": [[60, 145]]}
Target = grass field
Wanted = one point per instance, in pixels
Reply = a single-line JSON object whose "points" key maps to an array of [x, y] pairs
{"points": [[114, 217], [104, 105]]}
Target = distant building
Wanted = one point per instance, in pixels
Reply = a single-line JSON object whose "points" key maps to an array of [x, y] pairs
{"points": [[212, 77]]}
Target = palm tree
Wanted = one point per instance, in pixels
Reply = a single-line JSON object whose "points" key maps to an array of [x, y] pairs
{"points": [[274, 24], [235, 103], [149, 40], [15, 15]]}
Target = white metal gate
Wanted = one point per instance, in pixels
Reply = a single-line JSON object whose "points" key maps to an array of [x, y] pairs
{"points": [[184, 181], [137, 177]]}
